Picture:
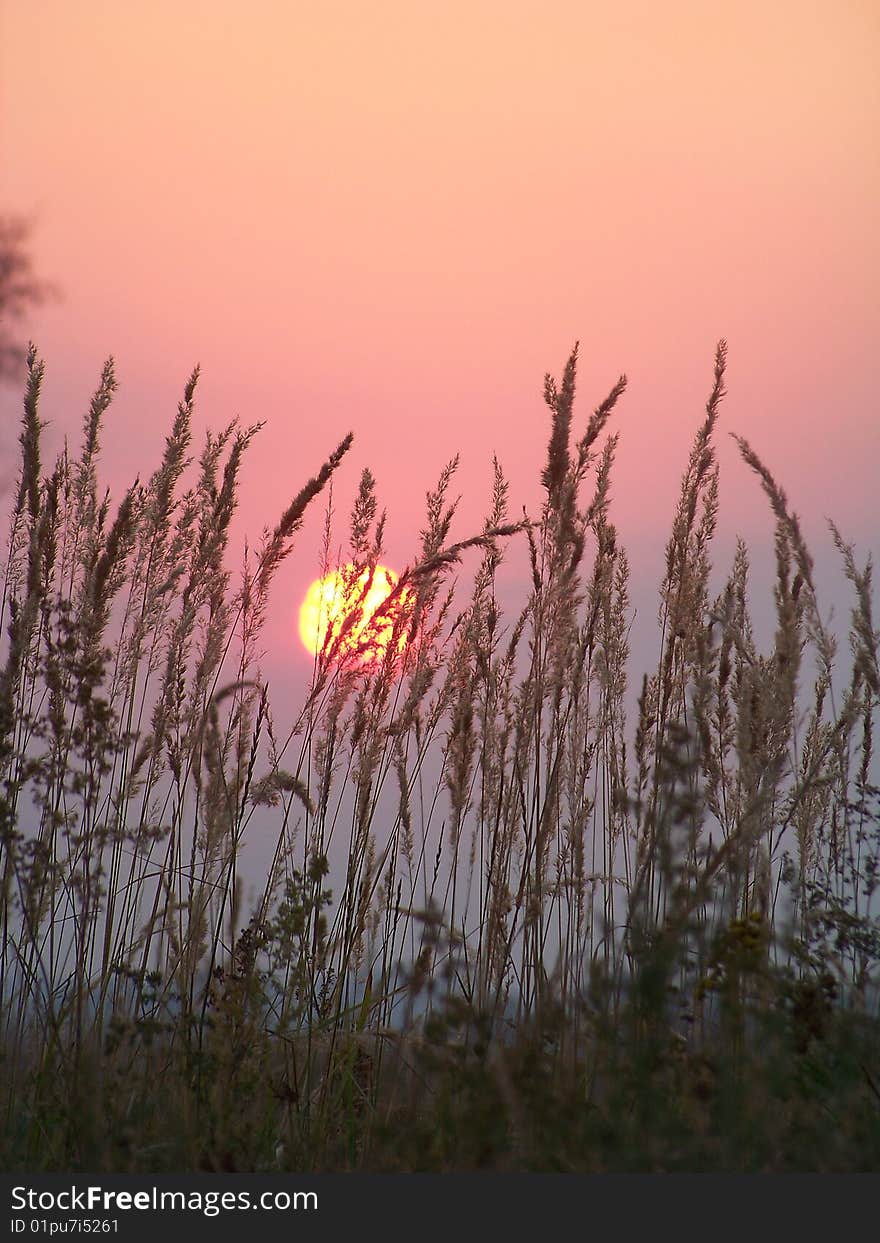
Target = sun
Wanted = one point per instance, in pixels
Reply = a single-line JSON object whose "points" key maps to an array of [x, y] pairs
{"points": [[339, 612]]}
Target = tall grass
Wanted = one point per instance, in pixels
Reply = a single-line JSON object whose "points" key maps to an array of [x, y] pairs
{"points": [[504, 925]]}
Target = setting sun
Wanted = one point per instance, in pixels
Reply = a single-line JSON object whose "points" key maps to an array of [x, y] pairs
{"points": [[342, 601]]}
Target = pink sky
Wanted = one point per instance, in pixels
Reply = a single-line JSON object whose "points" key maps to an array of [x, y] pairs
{"points": [[395, 217]]}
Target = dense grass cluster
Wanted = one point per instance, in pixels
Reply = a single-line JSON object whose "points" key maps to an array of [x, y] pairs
{"points": [[505, 926]]}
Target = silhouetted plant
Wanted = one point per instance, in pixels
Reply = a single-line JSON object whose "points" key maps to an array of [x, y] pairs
{"points": [[504, 926]]}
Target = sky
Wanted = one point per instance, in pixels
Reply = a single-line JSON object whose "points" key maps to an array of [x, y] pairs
{"points": [[395, 217]]}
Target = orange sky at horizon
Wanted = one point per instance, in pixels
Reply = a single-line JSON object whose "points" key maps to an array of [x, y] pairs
{"points": [[394, 218]]}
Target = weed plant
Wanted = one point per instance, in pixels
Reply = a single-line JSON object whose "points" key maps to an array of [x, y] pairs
{"points": [[505, 925]]}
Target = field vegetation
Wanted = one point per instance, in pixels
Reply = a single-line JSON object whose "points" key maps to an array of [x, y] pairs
{"points": [[510, 923]]}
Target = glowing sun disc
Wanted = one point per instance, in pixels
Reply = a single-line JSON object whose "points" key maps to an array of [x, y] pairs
{"points": [[340, 601]]}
